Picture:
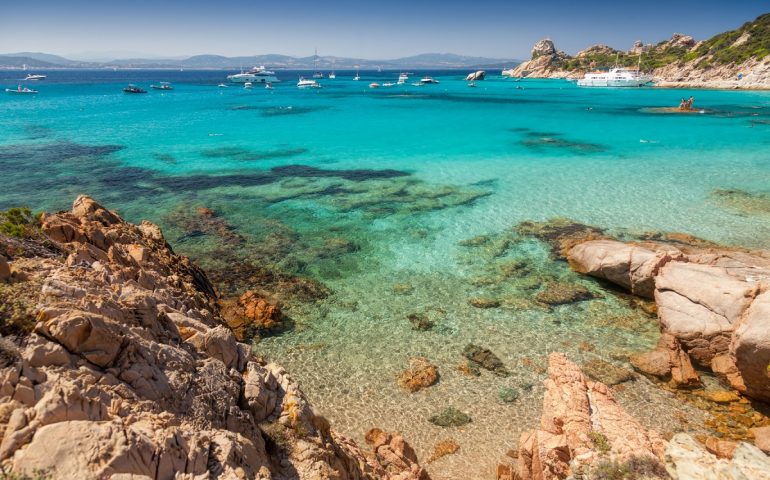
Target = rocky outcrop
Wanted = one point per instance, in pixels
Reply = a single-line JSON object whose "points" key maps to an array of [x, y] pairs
{"points": [[129, 371], [582, 426], [546, 62], [478, 75], [714, 302]]}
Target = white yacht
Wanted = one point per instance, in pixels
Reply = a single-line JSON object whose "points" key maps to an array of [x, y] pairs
{"points": [[616, 77], [247, 85], [427, 79], [402, 78], [31, 76], [255, 75], [304, 83]]}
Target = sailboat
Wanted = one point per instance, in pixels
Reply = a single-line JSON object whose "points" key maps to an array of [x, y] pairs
{"points": [[358, 76], [332, 75], [317, 73]]}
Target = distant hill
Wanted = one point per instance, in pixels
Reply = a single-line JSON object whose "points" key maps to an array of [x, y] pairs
{"points": [[426, 60], [737, 58]]}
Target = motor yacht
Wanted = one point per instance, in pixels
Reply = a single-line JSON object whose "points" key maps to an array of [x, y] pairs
{"points": [[304, 83], [426, 79], [31, 76], [255, 75], [403, 78], [616, 77]]}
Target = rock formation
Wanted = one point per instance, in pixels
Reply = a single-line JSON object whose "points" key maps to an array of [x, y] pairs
{"points": [[479, 75], [715, 303], [546, 62], [128, 371], [582, 426]]}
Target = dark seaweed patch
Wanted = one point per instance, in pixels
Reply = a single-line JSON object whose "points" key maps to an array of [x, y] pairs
{"points": [[355, 175], [290, 110], [55, 152], [537, 143], [37, 132], [243, 154], [474, 99], [165, 158]]}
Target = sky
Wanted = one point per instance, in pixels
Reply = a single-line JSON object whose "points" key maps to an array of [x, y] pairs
{"points": [[371, 29]]}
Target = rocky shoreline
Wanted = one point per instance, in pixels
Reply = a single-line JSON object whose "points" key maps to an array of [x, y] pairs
{"points": [[119, 359], [731, 60]]}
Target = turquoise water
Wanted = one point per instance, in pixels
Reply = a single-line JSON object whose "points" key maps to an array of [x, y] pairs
{"points": [[367, 193]]}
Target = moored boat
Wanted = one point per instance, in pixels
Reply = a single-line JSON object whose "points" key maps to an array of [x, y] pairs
{"points": [[427, 79], [19, 90], [304, 83], [247, 85], [402, 78], [374, 85], [162, 86], [255, 75], [615, 77], [31, 76], [131, 88]]}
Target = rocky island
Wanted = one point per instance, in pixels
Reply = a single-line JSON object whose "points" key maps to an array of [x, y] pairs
{"points": [[117, 361], [738, 58]]}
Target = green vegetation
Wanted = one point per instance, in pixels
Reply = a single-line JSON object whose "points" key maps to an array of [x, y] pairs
{"points": [[18, 222], [716, 51], [635, 468], [600, 441]]}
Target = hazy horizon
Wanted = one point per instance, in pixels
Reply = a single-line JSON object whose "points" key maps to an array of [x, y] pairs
{"points": [[85, 30]]}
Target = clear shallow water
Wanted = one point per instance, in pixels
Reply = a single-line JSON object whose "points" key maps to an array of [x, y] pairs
{"points": [[369, 192]]}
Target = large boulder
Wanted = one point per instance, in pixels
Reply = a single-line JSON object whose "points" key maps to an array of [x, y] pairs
{"points": [[479, 75], [686, 459]]}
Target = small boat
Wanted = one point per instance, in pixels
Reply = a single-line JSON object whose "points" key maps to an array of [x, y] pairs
{"points": [[388, 84], [303, 83], [268, 86], [358, 76], [418, 84], [374, 85], [317, 73], [426, 79], [162, 86], [247, 85], [332, 76], [31, 76], [472, 84], [222, 85], [402, 78], [131, 88], [20, 90]]}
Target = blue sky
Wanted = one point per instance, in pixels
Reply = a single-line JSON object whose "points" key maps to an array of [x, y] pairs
{"points": [[374, 29]]}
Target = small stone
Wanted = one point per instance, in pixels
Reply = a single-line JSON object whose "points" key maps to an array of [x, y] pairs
{"points": [[403, 288], [444, 448], [586, 347], [484, 302], [450, 417], [420, 322], [721, 396], [508, 394], [720, 448], [420, 374], [469, 368], [606, 372], [485, 358], [206, 212]]}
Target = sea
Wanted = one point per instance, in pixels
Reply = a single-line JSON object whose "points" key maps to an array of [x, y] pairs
{"points": [[378, 217]]}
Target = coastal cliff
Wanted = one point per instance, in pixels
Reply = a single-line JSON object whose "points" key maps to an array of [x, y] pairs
{"points": [[738, 58], [116, 363]]}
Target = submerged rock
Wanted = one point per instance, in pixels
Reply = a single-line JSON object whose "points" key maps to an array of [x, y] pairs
{"points": [[486, 359], [249, 314], [559, 293], [667, 362], [442, 449], [450, 417], [561, 234], [420, 321], [420, 374], [686, 459], [606, 372], [508, 394], [484, 302]]}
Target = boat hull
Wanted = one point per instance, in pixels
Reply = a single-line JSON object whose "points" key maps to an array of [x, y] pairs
{"points": [[612, 83], [246, 77]]}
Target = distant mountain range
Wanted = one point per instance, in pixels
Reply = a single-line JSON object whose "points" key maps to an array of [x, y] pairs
{"points": [[425, 60]]}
